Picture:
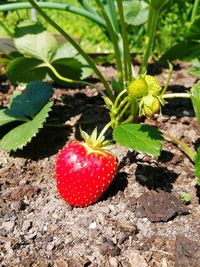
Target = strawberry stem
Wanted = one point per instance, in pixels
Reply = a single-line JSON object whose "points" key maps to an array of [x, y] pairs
{"points": [[124, 101], [186, 149], [177, 95], [99, 139], [168, 78], [118, 98], [60, 77], [123, 111]]}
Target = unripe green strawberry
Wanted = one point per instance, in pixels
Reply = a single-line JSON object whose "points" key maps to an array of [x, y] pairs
{"points": [[154, 86], [151, 105], [138, 88]]}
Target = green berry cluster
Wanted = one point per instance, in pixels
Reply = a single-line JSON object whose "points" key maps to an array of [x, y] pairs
{"points": [[146, 90]]}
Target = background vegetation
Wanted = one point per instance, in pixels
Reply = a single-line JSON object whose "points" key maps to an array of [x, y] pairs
{"points": [[172, 22]]}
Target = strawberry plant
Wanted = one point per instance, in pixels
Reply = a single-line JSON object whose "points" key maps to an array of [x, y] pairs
{"points": [[129, 98], [39, 57]]}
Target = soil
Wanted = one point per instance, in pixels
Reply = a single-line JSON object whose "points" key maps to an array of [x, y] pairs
{"points": [[140, 221]]}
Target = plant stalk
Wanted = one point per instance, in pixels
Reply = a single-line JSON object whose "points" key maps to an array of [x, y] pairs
{"points": [[195, 10], [2, 24], [151, 30], [60, 77], [104, 130], [186, 149], [168, 78], [76, 46], [126, 51], [121, 114], [114, 39], [113, 15], [56, 6], [176, 95], [86, 5], [118, 98]]}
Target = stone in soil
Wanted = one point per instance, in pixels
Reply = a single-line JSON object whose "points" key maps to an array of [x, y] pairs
{"points": [[160, 206]]}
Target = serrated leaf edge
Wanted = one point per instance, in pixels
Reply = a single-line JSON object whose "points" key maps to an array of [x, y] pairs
{"points": [[158, 150], [31, 137]]}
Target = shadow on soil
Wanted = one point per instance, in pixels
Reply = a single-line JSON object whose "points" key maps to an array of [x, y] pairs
{"points": [[198, 192], [47, 143], [118, 185], [178, 107], [155, 178], [197, 144], [156, 68], [50, 139]]}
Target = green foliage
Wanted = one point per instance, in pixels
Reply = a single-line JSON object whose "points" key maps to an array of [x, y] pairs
{"points": [[186, 198], [195, 69], [135, 12], [197, 166], [195, 96], [157, 4], [32, 40], [189, 47], [30, 109], [143, 138], [42, 58], [26, 70]]}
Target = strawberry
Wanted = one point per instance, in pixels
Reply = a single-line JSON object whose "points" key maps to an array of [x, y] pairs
{"points": [[151, 105], [84, 173], [138, 88], [154, 86]]}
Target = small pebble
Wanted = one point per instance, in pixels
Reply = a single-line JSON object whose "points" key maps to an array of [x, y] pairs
{"points": [[93, 225]]}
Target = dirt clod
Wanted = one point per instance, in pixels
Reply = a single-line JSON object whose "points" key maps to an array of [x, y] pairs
{"points": [[109, 248], [186, 252], [160, 206]]}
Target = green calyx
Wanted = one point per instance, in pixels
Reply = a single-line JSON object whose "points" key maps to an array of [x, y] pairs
{"points": [[94, 141]]}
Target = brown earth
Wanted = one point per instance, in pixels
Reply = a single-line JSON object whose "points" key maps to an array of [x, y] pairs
{"points": [[139, 222]]}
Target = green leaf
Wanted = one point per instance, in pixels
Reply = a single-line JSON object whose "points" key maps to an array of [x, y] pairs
{"points": [[185, 50], [193, 32], [68, 67], [143, 138], [65, 51], [116, 86], [5, 119], [87, 71], [157, 4], [31, 101], [195, 96], [26, 70], [34, 41], [18, 137], [135, 12], [195, 69], [197, 166]]}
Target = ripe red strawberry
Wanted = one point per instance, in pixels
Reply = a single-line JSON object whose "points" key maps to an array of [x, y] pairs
{"points": [[83, 173]]}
